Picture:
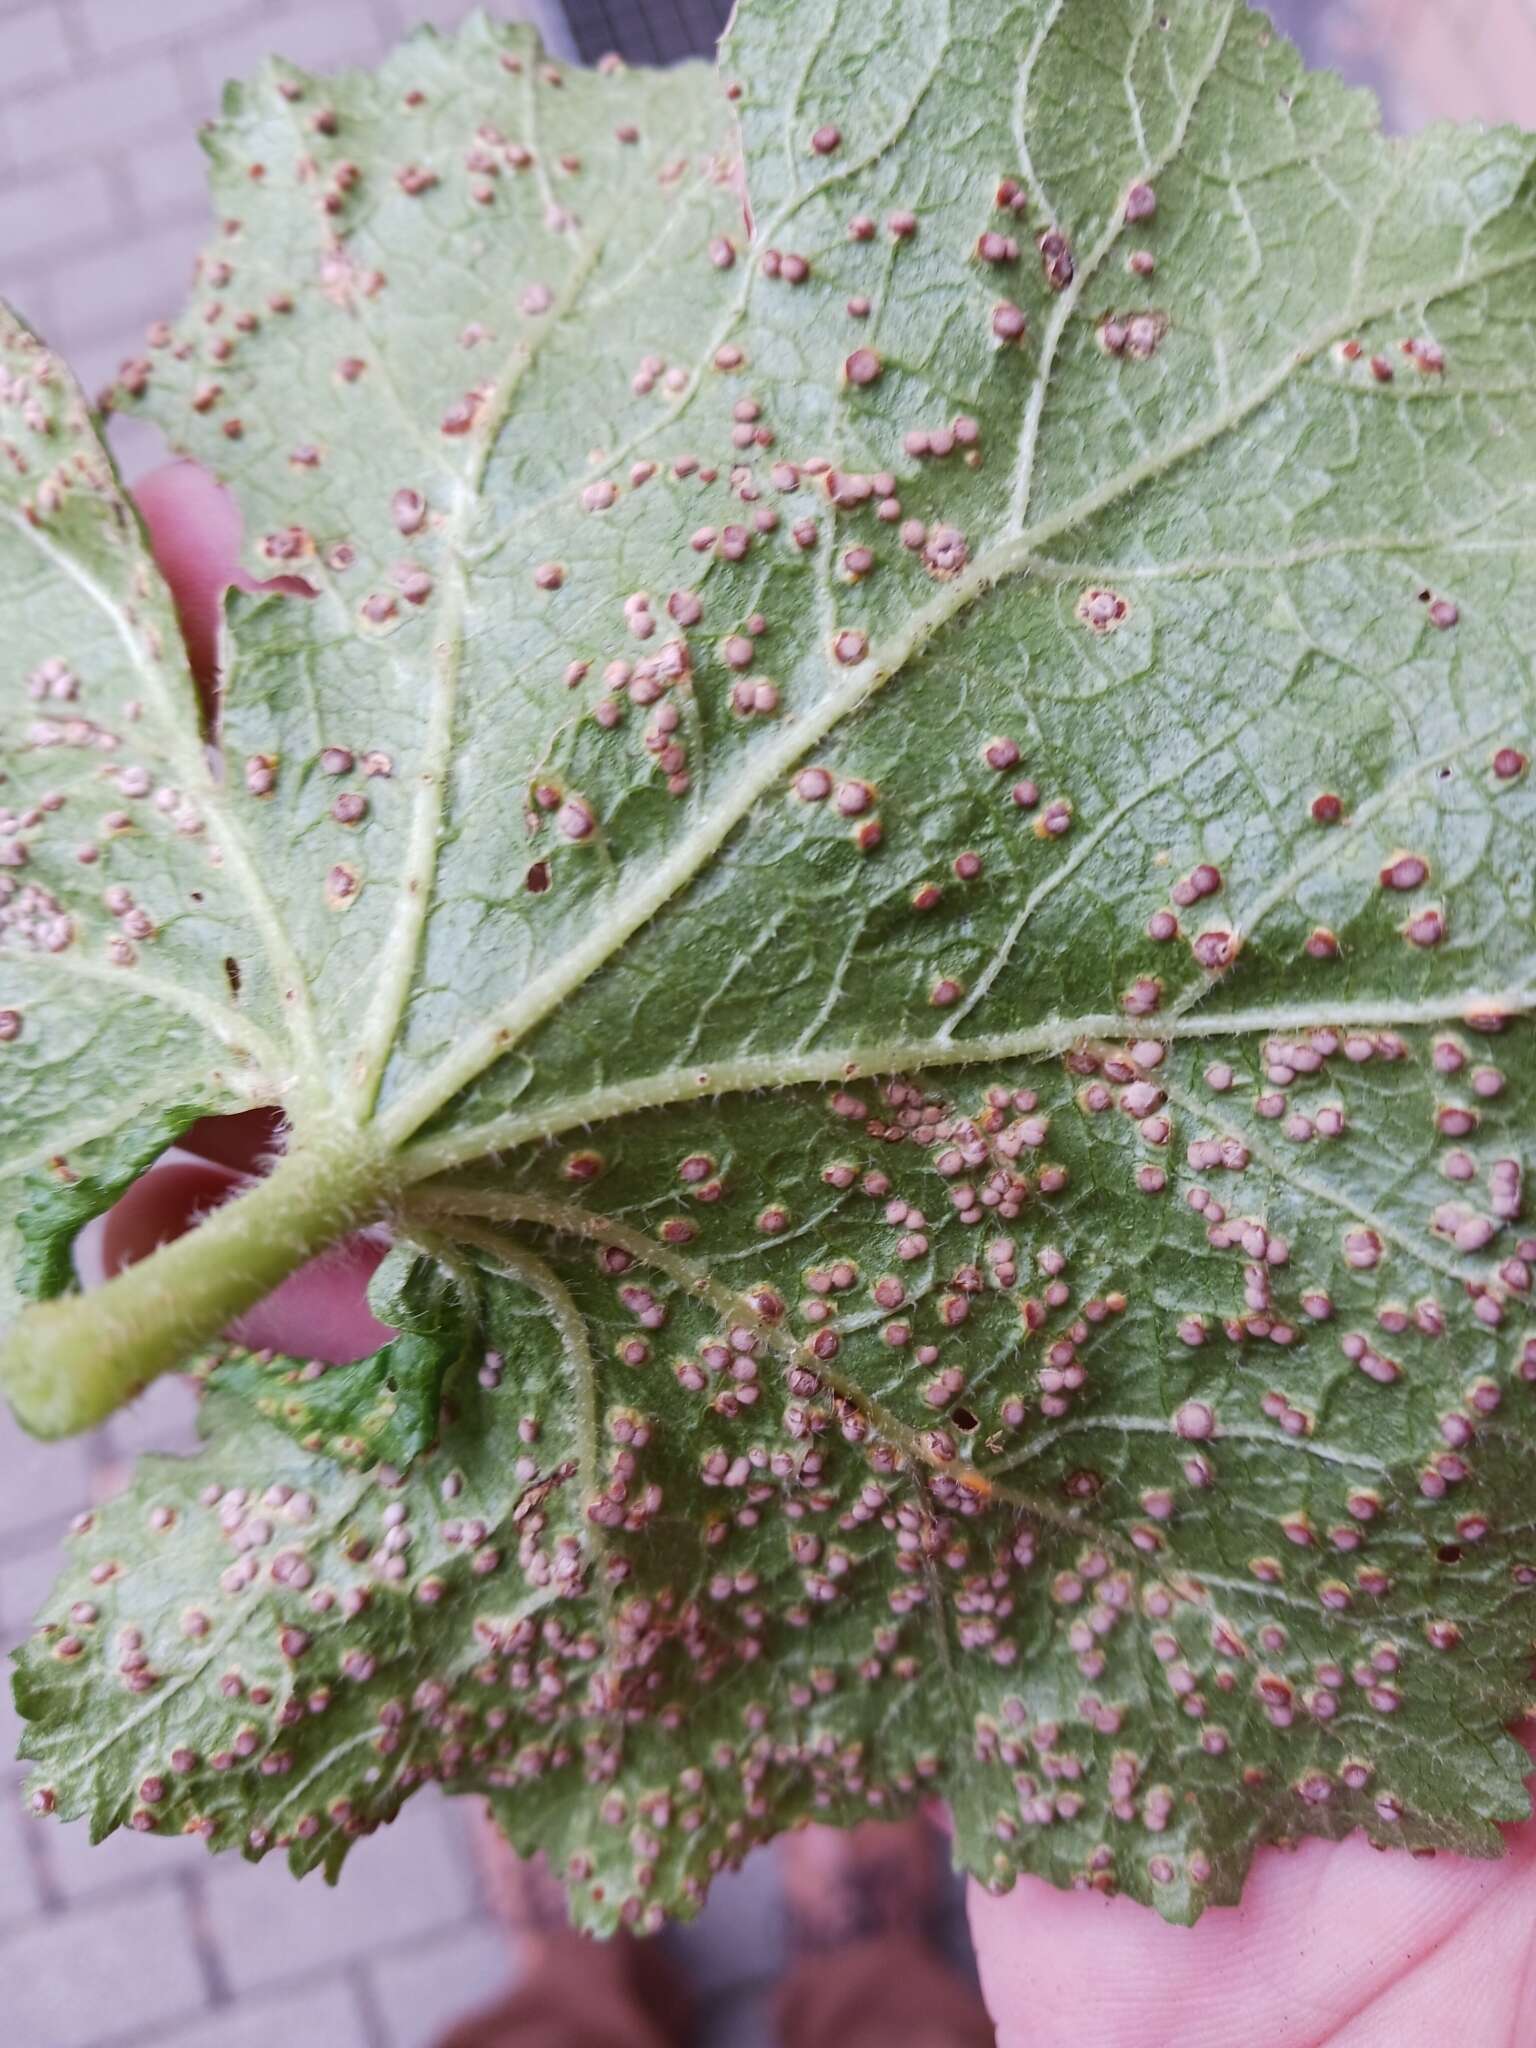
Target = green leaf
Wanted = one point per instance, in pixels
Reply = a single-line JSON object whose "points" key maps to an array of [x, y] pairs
{"points": [[117, 915], [912, 831], [381, 1407], [58, 1201]]}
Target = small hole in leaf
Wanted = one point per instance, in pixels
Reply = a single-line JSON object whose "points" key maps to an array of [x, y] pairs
{"points": [[1449, 1553], [536, 881], [232, 974], [963, 1418]]}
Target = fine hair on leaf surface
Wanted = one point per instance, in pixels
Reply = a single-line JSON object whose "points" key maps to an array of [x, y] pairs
{"points": [[894, 846]]}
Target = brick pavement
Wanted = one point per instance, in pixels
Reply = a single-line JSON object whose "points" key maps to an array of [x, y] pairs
{"points": [[141, 1943]]}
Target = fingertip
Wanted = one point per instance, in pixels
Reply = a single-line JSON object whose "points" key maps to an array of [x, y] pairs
{"points": [[248, 1140], [194, 528], [1319, 1930], [319, 1312]]}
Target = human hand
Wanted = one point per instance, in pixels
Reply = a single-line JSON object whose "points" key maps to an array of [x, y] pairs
{"points": [[1334, 1946], [1337, 1945]]}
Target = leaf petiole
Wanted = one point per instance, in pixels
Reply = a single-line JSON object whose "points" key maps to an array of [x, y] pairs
{"points": [[69, 1363]]}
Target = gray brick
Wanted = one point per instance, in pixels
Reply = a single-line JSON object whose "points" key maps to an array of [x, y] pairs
{"points": [[316, 39], [120, 103], [122, 288], [406, 1881], [170, 174], [163, 1418], [52, 214], [25, 1584], [22, 1892], [95, 363], [41, 1485], [36, 47], [419, 1993], [121, 1967], [137, 446], [76, 1869], [118, 29], [326, 2013], [32, 296]]}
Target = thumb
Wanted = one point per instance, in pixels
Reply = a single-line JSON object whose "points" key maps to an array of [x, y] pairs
{"points": [[194, 529], [1333, 1943]]}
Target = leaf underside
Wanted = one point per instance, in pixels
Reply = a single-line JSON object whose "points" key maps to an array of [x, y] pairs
{"points": [[915, 852], [383, 1408]]}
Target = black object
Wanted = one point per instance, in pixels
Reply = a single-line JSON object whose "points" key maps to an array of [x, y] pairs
{"points": [[646, 31]]}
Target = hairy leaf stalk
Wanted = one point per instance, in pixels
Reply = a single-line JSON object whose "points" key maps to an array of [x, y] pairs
{"points": [[69, 1363]]}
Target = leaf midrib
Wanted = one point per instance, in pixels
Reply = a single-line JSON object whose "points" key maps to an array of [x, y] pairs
{"points": [[445, 1207], [424, 840], [670, 1087], [185, 755], [1025, 462], [1157, 1425], [503, 1029]]}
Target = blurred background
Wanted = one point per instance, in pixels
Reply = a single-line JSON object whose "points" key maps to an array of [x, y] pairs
{"points": [[102, 208]]}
